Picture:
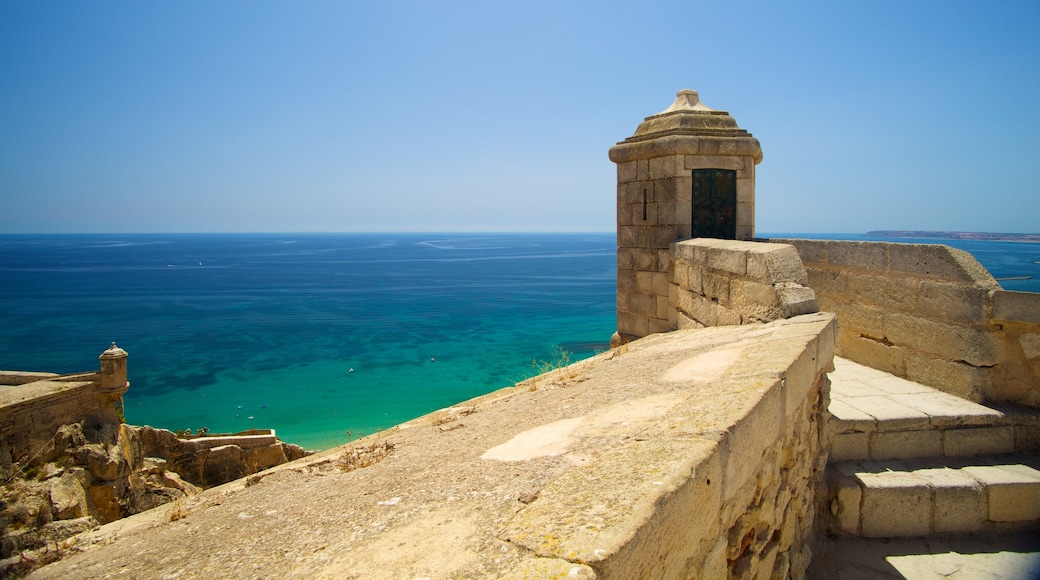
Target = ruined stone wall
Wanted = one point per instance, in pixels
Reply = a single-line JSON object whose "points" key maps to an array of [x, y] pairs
{"points": [[726, 282], [31, 413], [928, 313]]}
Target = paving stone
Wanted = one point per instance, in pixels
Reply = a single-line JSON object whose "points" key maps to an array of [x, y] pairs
{"points": [[895, 504], [959, 500], [890, 414], [905, 444], [1013, 493], [946, 409], [969, 441], [850, 446], [848, 417]]}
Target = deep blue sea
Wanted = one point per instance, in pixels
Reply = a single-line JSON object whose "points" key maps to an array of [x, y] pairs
{"points": [[321, 337]]}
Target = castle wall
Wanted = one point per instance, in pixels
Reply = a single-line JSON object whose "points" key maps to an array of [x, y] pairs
{"points": [[727, 282], [31, 413], [686, 454], [928, 313]]}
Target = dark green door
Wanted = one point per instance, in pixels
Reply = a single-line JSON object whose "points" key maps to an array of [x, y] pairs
{"points": [[714, 204]]}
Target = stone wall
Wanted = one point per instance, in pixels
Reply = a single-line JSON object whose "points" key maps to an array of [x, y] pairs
{"points": [[695, 453], [725, 282], [32, 412], [928, 313]]}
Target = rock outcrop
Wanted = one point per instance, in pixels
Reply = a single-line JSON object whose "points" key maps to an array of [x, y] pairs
{"points": [[88, 475]]}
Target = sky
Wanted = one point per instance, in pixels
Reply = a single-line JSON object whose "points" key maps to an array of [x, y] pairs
{"points": [[257, 116]]}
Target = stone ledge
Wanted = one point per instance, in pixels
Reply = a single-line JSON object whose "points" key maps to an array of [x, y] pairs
{"points": [[887, 499], [592, 469]]}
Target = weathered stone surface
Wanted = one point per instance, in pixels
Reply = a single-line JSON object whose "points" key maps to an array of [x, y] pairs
{"points": [[1016, 306], [225, 463], [895, 504], [68, 497], [940, 262], [598, 466]]}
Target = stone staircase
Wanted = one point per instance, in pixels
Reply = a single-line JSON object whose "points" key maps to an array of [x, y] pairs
{"points": [[911, 461]]}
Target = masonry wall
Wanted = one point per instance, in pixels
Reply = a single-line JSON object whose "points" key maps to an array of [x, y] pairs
{"points": [[727, 282], [31, 413], [928, 313]]}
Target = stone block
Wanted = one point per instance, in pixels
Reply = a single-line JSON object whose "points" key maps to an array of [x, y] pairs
{"points": [[641, 304], [861, 320], [632, 324], [939, 262], [891, 415], [626, 258], [905, 444], [825, 344], [810, 251], [727, 317], [715, 286], [704, 311], [681, 274], [728, 259], [642, 169], [630, 236], [1016, 306], [664, 260], [749, 437], [1013, 492], [745, 190], [846, 505], [745, 215], [656, 325], [772, 263], [799, 379], [713, 162], [846, 417], [659, 283], [665, 166], [959, 500], [1030, 345], [633, 193], [889, 294], [974, 441], [757, 301], [644, 282], [664, 306], [895, 504], [644, 259], [857, 256], [952, 303], [683, 251], [850, 446], [828, 283], [871, 353], [663, 236], [795, 299], [956, 378], [626, 171], [948, 341]]}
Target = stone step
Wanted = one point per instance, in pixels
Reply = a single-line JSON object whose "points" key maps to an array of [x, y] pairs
{"points": [[877, 416], [937, 496]]}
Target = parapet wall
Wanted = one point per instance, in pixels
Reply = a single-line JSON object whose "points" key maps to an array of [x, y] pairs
{"points": [[32, 411], [696, 453], [727, 282], [928, 313]]}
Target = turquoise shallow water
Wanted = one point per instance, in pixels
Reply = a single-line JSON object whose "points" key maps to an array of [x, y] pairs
{"points": [[231, 332], [221, 328]]}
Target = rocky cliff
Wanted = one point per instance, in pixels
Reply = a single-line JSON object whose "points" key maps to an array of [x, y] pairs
{"points": [[91, 474]]}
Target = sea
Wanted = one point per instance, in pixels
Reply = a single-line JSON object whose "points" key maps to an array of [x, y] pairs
{"points": [[325, 337]]}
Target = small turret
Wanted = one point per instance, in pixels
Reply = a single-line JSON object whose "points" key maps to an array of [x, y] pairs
{"points": [[113, 371]]}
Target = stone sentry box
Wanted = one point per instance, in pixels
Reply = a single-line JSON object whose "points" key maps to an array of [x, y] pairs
{"points": [[687, 172]]}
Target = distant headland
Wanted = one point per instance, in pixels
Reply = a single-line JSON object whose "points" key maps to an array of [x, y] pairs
{"points": [[955, 235]]}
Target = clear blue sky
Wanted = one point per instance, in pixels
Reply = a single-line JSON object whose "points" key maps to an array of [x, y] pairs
{"points": [[251, 116]]}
